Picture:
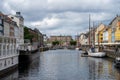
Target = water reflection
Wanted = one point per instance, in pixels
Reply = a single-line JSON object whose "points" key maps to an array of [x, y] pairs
{"points": [[29, 69], [67, 65], [10, 76]]}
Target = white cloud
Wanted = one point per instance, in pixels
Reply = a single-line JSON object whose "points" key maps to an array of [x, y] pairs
{"points": [[62, 16], [46, 23]]}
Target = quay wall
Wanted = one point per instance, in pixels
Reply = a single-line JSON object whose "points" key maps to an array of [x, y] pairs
{"points": [[112, 53], [44, 49]]}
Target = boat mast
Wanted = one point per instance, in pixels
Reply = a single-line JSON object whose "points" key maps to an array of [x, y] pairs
{"points": [[93, 34], [89, 32], [98, 40]]}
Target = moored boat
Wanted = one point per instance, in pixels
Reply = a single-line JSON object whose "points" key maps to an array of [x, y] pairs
{"points": [[77, 48], [96, 53], [28, 53]]}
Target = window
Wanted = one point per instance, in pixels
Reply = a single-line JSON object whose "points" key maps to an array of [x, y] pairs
{"points": [[0, 21], [1, 28], [0, 64], [0, 49], [0, 40]]}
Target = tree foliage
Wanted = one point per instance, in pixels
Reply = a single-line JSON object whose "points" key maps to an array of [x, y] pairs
{"points": [[27, 34], [55, 43], [72, 42]]}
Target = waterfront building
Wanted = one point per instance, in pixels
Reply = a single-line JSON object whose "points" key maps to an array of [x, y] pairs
{"points": [[34, 36], [99, 34], [7, 21], [8, 49], [115, 27], [40, 37], [64, 40], [107, 35], [83, 39], [18, 18], [1, 24], [117, 32]]}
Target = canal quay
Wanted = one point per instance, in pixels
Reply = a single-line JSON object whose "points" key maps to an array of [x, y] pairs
{"points": [[64, 64]]}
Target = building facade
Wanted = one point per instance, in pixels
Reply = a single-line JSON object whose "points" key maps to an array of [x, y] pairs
{"points": [[8, 50], [1, 24], [18, 18], [83, 39], [64, 40], [34, 36], [115, 29], [99, 34]]}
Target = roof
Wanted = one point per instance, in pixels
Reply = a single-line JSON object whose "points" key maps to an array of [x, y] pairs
{"points": [[114, 20]]}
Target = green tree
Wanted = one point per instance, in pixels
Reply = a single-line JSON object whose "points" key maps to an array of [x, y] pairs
{"points": [[27, 35], [55, 43], [72, 42]]}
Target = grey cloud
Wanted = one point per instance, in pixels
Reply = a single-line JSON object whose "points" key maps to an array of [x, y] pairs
{"points": [[72, 14]]}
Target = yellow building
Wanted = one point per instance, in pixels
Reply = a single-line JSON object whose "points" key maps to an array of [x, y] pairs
{"points": [[115, 29], [109, 34], [117, 32], [99, 34]]}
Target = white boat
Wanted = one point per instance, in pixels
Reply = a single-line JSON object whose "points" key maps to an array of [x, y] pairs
{"points": [[77, 48], [96, 53]]}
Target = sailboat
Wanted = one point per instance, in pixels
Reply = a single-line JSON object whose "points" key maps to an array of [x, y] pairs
{"points": [[94, 52]]}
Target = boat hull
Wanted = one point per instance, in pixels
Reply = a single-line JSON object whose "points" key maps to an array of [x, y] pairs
{"points": [[28, 57], [96, 54]]}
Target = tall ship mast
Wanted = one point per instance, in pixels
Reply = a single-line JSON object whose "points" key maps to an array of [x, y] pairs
{"points": [[89, 32]]}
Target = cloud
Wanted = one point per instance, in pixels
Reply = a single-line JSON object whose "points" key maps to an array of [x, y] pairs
{"points": [[62, 16]]}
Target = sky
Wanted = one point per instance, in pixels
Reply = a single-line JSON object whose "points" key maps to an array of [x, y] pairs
{"points": [[62, 17]]}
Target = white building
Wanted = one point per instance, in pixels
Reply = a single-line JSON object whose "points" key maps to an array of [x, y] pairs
{"points": [[8, 50], [83, 39], [6, 27], [20, 23], [105, 35]]}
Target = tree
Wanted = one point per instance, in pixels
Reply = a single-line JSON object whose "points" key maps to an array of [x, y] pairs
{"points": [[55, 43], [27, 34], [72, 42]]}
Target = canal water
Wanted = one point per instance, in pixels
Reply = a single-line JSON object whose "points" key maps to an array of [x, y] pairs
{"points": [[66, 65]]}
